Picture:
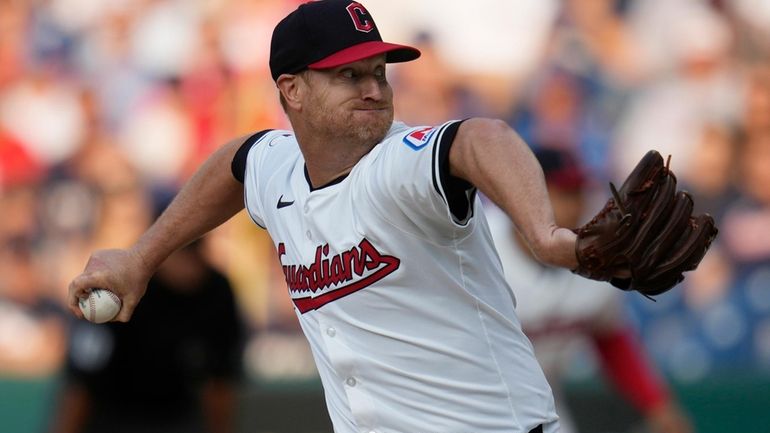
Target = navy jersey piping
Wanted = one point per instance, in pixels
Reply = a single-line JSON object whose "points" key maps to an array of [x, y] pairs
{"points": [[327, 184]]}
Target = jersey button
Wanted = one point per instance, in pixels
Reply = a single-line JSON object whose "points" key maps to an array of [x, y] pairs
{"points": [[331, 332], [309, 235], [307, 208], [351, 381]]}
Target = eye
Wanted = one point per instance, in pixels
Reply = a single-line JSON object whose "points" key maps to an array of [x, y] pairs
{"points": [[348, 74], [379, 74]]}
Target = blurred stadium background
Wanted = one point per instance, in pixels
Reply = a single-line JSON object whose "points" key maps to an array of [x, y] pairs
{"points": [[106, 107]]}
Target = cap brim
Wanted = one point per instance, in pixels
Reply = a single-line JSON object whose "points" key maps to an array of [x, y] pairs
{"points": [[394, 54]]}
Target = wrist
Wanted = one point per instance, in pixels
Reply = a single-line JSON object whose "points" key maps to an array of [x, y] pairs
{"points": [[557, 248], [146, 262]]}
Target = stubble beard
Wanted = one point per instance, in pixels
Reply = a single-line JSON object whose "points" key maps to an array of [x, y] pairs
{"points": [[350, 128]]}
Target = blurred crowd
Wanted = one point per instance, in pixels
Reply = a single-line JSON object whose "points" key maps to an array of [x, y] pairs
{"points": [[107, 107]]}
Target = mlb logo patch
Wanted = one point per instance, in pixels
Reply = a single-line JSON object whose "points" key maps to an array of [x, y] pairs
{"points": [[419, 138]]}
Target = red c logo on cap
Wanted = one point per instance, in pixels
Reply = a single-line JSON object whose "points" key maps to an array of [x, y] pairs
{"points": [[361, 18]]}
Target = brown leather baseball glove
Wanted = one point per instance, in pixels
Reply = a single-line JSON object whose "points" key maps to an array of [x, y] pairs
{"points": [[645, 237]]}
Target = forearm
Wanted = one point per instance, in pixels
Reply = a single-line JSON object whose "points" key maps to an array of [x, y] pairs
{"points": [[491, 156], [208, 199]]}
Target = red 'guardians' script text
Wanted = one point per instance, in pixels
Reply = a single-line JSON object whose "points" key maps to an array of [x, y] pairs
{"points": [[343, 272]]}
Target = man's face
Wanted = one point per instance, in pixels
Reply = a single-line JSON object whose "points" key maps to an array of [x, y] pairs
{"points": [[350, 102]]}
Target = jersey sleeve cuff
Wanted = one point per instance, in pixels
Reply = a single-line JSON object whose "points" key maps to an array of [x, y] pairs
{"points": [[238, 165], [457, 193]]}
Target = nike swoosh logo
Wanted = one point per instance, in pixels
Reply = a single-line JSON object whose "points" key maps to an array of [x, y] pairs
{"points": [[282, 204]]}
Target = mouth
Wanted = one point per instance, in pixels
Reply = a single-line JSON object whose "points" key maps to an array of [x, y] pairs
{"points": [[372, 108]]}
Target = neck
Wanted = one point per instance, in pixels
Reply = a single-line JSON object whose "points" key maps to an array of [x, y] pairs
{"points": [[328, 158]]}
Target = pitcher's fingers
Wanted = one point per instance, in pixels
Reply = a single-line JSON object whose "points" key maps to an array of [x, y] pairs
{"points": [[128, 304], [79, 288], [75, 310], [73, 299]]}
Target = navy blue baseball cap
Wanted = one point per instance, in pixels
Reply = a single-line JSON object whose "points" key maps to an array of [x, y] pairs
{"points": [[329, 33]]}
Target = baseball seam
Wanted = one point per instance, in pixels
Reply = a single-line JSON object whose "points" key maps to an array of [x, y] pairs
{"points": [[114, 297], [117, 301], [92, 308]]}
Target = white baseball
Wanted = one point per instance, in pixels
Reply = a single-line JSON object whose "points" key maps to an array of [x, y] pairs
{"points": [[100, 306]]}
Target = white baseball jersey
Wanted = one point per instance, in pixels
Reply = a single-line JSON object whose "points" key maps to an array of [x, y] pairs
{"points": [[558, 309], [398, 289]]}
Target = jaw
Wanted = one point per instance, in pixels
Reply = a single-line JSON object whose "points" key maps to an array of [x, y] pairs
{"points": [[371, 125]]}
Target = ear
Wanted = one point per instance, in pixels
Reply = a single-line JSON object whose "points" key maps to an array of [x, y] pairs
{"points": [[290, 87]]}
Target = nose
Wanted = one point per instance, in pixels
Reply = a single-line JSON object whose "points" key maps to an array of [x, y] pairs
{"points": [[372, 89]]}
